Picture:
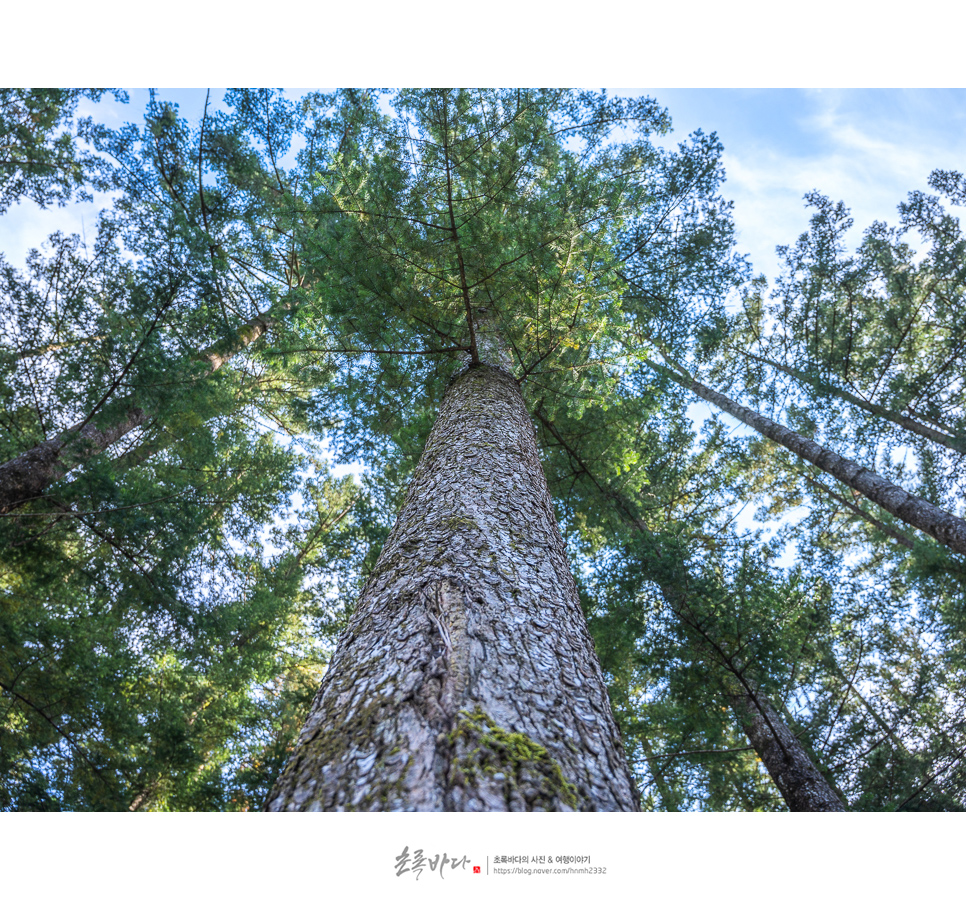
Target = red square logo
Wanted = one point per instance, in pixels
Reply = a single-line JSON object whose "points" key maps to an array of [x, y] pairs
{"points": [[476, 870]]}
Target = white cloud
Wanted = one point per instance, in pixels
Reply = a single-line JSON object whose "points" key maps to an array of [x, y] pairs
{"points": [[866, 148]]}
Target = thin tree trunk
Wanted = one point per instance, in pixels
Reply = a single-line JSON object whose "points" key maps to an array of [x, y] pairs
{"points": [[851, 689], [42, 350], [668, 798], [897, 418], [798, 780], [28, 476], [811, 753], [784, 756], [917, 512], [467, 678]]}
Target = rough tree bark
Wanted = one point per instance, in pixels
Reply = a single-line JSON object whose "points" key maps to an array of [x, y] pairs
{"points": [[466, 679], [917, 512]]}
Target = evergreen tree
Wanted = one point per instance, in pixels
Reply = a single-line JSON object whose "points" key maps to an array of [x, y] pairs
{"points": [[487, 226], [143, 612], [503, 304]]}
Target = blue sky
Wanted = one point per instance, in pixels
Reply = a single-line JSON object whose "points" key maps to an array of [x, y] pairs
{"points": [[868, 148]]}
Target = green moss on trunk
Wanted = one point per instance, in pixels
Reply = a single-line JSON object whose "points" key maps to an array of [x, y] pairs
{"points": [[481, 747]]}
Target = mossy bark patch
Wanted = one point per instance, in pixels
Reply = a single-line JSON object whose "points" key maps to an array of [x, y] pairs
{"points": [[531, 779]]}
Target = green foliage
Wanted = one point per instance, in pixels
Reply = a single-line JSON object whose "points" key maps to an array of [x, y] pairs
{"points": [[44, 154], [158, 652], [285, 280]]}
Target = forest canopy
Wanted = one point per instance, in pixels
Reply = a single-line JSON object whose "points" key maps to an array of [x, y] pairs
{"points": [[286, 285]]}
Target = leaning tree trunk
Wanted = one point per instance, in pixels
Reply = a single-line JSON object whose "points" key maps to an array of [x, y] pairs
{"points": [[467, 679], [798, 780], [28, 476], [791, 768], [947, 528], [785, 758]]}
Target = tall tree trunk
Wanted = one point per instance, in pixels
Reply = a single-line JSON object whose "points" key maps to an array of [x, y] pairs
{"points": [[467, 678], [917, 512], [897, 418], [28, 476], [798, 780]]}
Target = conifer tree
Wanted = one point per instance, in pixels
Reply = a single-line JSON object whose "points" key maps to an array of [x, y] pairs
{"points": [[492, 225], [542, 597]]}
